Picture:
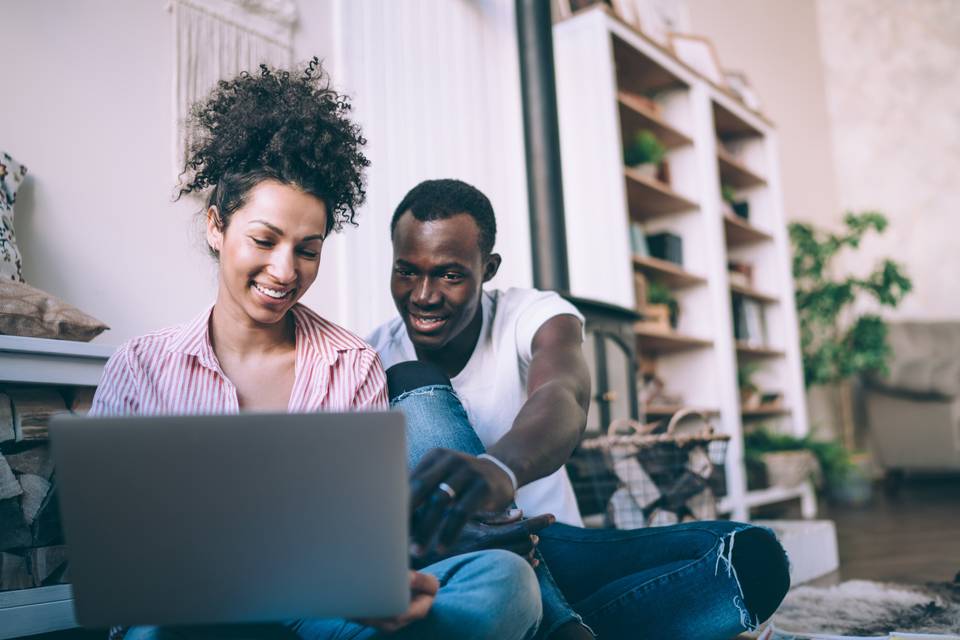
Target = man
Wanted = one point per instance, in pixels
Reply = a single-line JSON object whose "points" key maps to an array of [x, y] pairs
{"points": [[514, 360]]}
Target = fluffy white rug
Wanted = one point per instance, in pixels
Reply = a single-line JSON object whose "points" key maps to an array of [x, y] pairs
{"points": [[860, 607]]}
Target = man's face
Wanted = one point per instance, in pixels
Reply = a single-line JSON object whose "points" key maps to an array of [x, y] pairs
{"points": [[438, 270]]}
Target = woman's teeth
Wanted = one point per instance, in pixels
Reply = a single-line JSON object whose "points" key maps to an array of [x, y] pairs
{"points": [[273, 293]]}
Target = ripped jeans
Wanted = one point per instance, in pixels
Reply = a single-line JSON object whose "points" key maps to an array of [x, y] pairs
{"points": [[700, 580]]}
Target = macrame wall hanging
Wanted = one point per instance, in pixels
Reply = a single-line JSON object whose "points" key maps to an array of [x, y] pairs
{"points": [[217, 39]]}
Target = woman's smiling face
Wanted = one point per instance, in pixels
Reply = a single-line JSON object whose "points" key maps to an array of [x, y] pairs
{"points": [[269, 251]]}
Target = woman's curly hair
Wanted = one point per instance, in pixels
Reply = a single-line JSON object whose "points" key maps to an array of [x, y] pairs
{"points": [[279, 126]]}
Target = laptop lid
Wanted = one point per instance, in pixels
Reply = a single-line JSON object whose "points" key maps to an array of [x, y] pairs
{"points": [[239, 518]]}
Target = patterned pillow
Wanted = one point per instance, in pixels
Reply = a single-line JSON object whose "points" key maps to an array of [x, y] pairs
{"points": [[26, 311], [11, 175]]}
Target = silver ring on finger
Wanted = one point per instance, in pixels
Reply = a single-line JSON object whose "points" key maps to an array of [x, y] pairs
{"points": [[447, 489]]}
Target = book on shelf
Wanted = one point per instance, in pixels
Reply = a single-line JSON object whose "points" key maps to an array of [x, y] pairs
{"points": [[638, 240], [749, 326]]}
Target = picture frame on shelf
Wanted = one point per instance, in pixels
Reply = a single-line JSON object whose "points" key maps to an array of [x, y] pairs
{"points": [[629, 12], [738, 83], [698, 53]]}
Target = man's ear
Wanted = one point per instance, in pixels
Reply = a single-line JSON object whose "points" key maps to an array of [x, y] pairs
{"points": [[491, 266], [214, 230]]}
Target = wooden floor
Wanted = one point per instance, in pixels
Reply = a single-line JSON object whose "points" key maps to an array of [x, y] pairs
{"points": [[910, 537]]}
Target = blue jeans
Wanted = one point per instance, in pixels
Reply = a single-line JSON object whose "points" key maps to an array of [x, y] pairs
{"points": [[472, 587], [700, 580]]}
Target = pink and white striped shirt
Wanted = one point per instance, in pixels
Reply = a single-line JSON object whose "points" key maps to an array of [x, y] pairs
{"points": [[175, 371]]}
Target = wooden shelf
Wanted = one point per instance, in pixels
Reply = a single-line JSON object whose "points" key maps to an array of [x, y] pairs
{"points": [[736, 174], [740, 232], [43, 361], [753, 294], [748, 351], [729, 125], [764, 412], [638, 73], [648, 198], [635, 115], [666, 272], [760, 497], [664, 410], [649, 341]]}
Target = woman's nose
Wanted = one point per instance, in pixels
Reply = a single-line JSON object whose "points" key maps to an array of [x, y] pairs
{"points": [[282, 266]]}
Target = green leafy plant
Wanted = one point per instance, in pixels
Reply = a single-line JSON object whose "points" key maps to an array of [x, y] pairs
{"points": [[728, 194], [838, 342], [659, 293], [645, 148], [745, 373]]}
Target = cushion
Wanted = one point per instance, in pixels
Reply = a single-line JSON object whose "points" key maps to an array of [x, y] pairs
{"points": [[11, 175], [26, 311], [925, 358]]}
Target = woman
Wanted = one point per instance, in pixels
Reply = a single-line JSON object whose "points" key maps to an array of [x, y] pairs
{"points": [[284, 168]]}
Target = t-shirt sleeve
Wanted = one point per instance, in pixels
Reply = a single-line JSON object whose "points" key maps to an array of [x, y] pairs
{"points": [[117, 394], [534, 312], [371, 395]]}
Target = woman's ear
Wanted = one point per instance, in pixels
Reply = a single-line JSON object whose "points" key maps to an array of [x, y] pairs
{"points": [[491, 266], [214, 230]]}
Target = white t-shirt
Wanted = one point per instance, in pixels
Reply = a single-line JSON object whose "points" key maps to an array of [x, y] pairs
{"points": [[493, 384]]}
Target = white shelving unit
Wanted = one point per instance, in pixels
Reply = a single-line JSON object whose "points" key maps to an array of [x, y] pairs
{"points": [[606, 74], [55, 362]]}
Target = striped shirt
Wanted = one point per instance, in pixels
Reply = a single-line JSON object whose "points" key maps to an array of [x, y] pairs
{"points": [[175, 372]]}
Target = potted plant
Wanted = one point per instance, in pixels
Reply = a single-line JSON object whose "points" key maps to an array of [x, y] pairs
{"points": [[662, 303], [785, 460], [645, 153], [839, 337], [749, 393]]}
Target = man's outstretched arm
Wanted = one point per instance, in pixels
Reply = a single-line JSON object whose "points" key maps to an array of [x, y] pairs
{"points": [[551, 421], [544, 433]]}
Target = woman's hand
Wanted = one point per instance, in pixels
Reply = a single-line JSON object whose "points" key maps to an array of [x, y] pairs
{"points": [[423, 591], [495, 531], [447, 488]]}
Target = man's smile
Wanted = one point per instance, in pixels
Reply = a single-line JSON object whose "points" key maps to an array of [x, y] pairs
{"points": [[427, 323]]}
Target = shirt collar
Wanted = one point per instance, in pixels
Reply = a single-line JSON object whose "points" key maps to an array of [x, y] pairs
{"points": [[193, 339], [312, 332]]}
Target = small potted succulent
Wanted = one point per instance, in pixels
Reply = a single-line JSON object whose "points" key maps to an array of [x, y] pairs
{"points": [[661, 303], [732, 203], [645, 154]]}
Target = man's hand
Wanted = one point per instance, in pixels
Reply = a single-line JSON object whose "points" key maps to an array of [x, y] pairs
{"points": [[447, 488], [496, 532], [423, 591]]}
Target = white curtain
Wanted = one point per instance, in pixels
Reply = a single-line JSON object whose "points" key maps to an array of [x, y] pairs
{"points": [[216, 40]]}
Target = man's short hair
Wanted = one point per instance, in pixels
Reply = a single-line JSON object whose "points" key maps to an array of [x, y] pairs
{"points": [[441, 199]]}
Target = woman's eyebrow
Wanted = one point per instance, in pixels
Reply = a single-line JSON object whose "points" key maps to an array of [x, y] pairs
{"points": [[277, 230]]}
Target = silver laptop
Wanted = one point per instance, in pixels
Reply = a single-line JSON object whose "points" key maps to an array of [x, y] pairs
{"points": [[228, 519]]}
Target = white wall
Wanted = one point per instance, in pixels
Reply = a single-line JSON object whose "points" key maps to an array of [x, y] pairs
{"points": [[894, 104], [776, 43], [867, 107], [88, 106], [437, 90]]}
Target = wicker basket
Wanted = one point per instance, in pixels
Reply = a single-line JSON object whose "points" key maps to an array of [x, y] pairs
{"points": [[641, 475]]}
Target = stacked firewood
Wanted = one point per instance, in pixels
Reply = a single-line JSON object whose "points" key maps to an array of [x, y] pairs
{"points": [[31, 541]]}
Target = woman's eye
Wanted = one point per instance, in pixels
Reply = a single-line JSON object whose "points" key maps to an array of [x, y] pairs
{"points": [[260, 242], [306, 253]]}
